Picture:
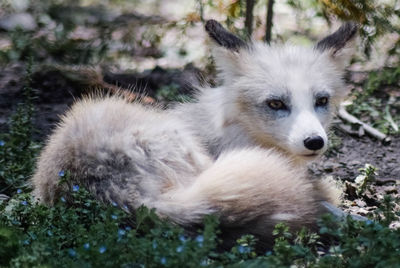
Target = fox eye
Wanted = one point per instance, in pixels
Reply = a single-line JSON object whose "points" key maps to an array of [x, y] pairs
{"points": [[276, 105], [321, 101]]}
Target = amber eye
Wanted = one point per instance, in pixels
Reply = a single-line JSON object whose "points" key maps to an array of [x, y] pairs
{"points": [[276, 105], [322, 101]]}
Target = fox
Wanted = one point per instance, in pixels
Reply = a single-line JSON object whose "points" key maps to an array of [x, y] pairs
{"points": [[239, 151]]}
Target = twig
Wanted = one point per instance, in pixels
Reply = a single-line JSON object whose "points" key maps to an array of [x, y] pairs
{"points": [[270, 14], [338, 213], [249, 16], [4, 197], [343, 114]]}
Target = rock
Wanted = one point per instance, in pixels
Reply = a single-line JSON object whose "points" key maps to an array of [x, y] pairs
{"points": [[25, 21], [360, 203]]}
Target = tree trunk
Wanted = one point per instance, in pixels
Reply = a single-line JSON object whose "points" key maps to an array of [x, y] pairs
{"points": [[249, 16], [270, 15], [201, 9]]}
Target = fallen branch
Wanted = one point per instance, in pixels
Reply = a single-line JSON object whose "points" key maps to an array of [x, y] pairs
{"points": [[4, 197], [344, 115]]}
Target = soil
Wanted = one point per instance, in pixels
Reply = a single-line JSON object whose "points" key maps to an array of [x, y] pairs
{"points": [[55, 93]]}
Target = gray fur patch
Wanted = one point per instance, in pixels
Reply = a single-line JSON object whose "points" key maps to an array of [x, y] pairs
{"points": [[277, 114], [322, 109]]}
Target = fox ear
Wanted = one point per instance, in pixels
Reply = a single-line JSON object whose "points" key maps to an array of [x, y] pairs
{"points": [[338, 43], [223, 37], [227, 51]]}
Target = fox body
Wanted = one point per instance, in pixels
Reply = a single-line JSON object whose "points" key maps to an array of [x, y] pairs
{"points": [[238, 152]]}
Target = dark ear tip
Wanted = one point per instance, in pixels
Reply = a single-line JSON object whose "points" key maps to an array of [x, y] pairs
{"points": [[350, 27], [223, 37], [211, 25], [338, 39]]}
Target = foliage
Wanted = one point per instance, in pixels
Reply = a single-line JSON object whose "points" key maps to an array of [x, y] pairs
{"points": [[85, 233], [366, 178], [170, 93], [367, 104], [69, 32], [17, 150]]}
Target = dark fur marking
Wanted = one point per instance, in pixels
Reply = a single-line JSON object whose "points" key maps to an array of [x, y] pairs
{"points": [[338, 39], [277, 114], [224, 38]]}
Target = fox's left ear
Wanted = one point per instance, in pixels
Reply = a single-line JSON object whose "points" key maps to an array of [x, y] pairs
{"points": [[340, 44], [224, 38], [227, 50]]}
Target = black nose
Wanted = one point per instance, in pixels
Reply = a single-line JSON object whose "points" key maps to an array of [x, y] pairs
{"points": [[314, 143]]}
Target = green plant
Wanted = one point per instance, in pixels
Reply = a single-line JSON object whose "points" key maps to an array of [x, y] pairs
{"points": [[171, 93], [375, 103], [17, 150], [366, 178]]}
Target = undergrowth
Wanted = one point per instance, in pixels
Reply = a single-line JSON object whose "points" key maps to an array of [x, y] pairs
{"points": [[83, 232], [17, 150], [379, 90]]}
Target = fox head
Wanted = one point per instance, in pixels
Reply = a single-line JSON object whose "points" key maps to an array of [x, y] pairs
{"points": [[283, 96]]}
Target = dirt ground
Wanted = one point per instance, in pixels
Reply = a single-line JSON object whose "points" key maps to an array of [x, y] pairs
{"points": [[55, 93]]}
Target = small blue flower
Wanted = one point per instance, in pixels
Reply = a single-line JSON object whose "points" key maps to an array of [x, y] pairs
{"points": [[243, 249], [203, 262], [2, 143], [125, 207], [71, 252], [369, 222], [154, 244], [163, 260], [75, 188], [19, 191], [121, 232], [61, 173], [49, 233], [182, 238], [114, 204], [24, 203], [102, 249], [86, 246], [128, 228], [114, 217], [179, 249], [63, 199], [200, 240]]}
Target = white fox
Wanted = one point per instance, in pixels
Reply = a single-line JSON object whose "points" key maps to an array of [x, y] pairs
{"points": [[238, 152]]}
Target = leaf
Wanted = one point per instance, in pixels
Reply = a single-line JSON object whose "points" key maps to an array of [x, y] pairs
{"points": [[388, 117]]}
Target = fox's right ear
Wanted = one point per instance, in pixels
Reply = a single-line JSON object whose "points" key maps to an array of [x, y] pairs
{"points": [[227, 50], [340, 44]]}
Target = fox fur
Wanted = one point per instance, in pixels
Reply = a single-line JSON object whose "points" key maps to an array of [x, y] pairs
{"points": [[238, 152]]}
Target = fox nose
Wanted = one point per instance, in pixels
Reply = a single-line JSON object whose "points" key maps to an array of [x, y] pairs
{"points": [[314, 143]]}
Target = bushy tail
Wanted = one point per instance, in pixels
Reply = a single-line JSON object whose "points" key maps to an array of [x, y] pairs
{"points": [[252, 189]]}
